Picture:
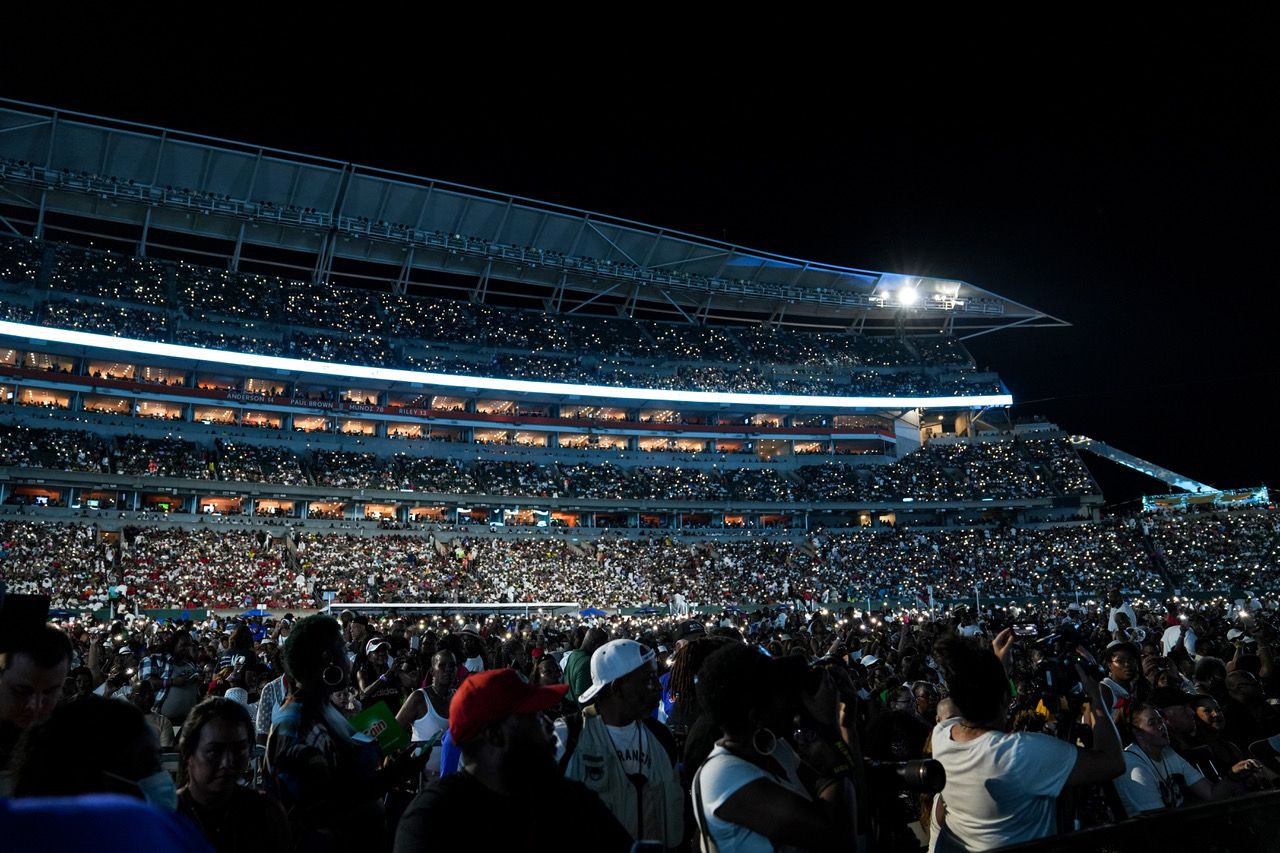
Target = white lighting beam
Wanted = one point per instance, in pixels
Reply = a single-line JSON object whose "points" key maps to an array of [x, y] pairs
{"points": [[133, 346]]}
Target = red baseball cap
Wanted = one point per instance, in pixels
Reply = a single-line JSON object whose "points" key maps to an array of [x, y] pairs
{"points": [[490, 697]]}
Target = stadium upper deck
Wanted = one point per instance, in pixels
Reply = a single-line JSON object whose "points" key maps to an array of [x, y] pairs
{"points": [[322, 328], [263, 210], [159, 280]]}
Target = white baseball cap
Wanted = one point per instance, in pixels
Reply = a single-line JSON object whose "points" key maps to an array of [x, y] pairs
{"points": [[614, 660]]}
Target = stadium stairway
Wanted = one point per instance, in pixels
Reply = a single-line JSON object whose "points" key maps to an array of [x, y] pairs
{"points": [[1106, 451], [1159, 562]]}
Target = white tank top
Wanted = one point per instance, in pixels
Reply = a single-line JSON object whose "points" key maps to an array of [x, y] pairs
{"points": [[425, 728]]}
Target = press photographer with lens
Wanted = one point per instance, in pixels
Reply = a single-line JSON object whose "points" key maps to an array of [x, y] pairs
{"points": [[757, 789], [1001, 788]]}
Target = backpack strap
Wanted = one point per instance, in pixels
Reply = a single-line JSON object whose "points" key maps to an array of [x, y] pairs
{"points": [[573, 726], [704, 831], [662, 735]]}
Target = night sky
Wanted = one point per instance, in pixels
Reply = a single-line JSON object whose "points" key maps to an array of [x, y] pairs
{"points": [[1126, 186]]}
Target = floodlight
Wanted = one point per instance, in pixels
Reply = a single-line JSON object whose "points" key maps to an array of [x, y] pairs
{"points": [[907, 295]]}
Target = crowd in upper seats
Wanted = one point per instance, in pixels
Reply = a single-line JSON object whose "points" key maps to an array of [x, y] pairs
{"points": [[1003, 470], [256, 463], [268, 315], [1234, 550], [105, 318]]}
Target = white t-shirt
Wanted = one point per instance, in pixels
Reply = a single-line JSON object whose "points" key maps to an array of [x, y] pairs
{"points": [[1139, 787], [1118, 691], [1001, 788], [1169, 640], [1125, 608], [634, 745], [722, 775]]}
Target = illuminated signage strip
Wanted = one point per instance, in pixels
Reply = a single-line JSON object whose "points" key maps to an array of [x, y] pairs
{"points": [[519, 386]]}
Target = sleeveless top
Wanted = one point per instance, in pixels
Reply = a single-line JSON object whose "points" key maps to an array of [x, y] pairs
{"points": [[425, 728]]}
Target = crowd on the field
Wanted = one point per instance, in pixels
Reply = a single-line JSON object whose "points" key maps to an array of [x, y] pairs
{"points": [[393, 732], [104, 292], [283, 567]]}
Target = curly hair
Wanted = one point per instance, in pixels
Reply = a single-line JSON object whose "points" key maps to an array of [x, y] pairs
{"points": [[733, 682], [975, 677], [308, 641]]}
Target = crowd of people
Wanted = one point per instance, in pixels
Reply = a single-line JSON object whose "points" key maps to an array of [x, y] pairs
{"points": [[1026, 468], [366, 327], [138, 456], [159, 566], [882, 689], [104, 317], [106, 275], [888, 728], [244, 462], [23, 446]]}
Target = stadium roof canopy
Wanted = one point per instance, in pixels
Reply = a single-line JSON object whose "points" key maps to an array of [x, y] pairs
{"points": [[223, 203]]}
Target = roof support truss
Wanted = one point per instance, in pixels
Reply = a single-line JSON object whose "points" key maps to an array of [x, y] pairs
{"points": [[401, 286], [615, 246], [676, 305], [991, 329], [582, 305], [481, 290], [629, 308], [704, 310], [11, 227]]}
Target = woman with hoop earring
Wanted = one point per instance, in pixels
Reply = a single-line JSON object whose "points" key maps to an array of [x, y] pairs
{"points": [[748, 794], [317, 766]]}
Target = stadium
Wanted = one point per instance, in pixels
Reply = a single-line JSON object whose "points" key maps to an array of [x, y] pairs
{"points": [[707, 446], [235, 376]]}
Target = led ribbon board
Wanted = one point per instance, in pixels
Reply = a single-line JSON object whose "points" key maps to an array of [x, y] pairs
{"points": [[133, 346]]}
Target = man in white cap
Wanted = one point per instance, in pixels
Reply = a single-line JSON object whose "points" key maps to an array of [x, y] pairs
{"points": [[617, 749], [472, 649]]}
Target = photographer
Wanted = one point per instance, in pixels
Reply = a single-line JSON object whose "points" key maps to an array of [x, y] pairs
{"points": [[752, 792], [1002, 788]]}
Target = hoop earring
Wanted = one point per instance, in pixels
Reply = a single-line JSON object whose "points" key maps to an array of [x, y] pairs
{"points": [[332, 675], [772, 741]]}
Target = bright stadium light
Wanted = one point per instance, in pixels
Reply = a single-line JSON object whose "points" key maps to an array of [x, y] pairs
{"points": [[907, 295], [133, 346]]}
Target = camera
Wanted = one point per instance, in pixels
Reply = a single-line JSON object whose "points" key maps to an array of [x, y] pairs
{"points": [[1056, 673], [923, 776]]}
